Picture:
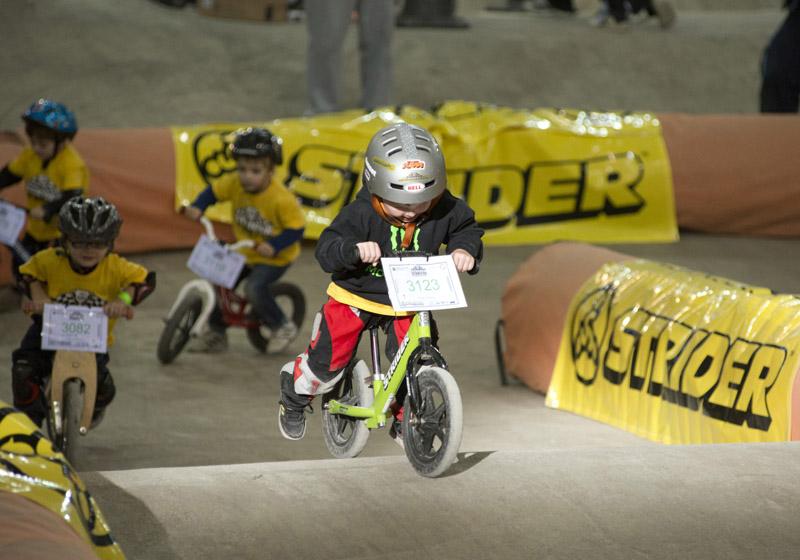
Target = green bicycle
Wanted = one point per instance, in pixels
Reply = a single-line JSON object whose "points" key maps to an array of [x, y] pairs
{"points": [[432, 419]]}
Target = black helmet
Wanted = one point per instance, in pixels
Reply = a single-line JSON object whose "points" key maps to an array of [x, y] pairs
{"points": [[257, 142], [89, 220]]}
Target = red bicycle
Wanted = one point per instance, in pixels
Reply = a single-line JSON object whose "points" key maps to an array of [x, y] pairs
{"points": [[189, 314]]}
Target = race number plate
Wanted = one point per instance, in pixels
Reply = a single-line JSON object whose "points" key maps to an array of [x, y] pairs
{"points": [[420, 283], [215, 263], [74, 327], [12, 220]]}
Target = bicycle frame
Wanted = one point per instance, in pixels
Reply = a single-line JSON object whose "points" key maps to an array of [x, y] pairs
{"points": [[68, 364], [415, 350]]}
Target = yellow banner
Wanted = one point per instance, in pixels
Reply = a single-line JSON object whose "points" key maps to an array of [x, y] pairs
{"points": [[30, 467], [531, 176], [679, 357]]}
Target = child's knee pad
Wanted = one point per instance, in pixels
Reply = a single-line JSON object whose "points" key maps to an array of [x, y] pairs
{"points": [[24, 383], [306, 382]]}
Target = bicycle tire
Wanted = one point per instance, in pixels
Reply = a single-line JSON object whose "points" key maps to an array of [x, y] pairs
{"points": [[292, 301], [177, 329], [71, 421], [346, 437], [431, 439]]}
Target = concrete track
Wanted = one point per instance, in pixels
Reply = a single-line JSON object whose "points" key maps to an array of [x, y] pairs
{"points": [[710, 502]]}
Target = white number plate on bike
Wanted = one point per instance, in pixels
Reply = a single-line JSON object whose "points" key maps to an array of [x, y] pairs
{"points": [[215, 263], [12, 220], [423, 283], [74, 327]]}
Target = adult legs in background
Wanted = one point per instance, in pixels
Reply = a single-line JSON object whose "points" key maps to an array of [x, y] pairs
{"points": [[376, 26], [327, 23], [780, 67]]}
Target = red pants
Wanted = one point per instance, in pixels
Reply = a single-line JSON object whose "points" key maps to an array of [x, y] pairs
{"points": [[334, 339]]}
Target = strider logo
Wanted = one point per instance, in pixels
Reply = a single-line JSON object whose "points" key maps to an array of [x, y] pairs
{"points": [[413, 164], [588, 331], [728, 377]]}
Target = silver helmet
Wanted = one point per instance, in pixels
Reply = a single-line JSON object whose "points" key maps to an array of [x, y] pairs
{"points": [[404, 164]]}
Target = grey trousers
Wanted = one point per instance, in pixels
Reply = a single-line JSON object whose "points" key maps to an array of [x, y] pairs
{"points": [[328, 21]]}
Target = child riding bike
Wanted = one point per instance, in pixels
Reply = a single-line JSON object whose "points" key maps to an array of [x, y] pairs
{"points": [[52, 170], [405, 206], [83, 270], [263, 211]]}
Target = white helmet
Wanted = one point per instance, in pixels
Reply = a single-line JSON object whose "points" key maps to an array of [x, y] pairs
{"points": [[404, 164]]}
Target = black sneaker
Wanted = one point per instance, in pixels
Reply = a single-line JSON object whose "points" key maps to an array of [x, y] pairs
{"points": [[291, 422]]}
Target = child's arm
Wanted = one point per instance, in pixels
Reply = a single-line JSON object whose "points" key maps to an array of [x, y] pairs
{"points": [[464, 239], [50, 209], [7, 178], [292, 223], [38, 297], [122, 306], [204, 200], [337, 247]]}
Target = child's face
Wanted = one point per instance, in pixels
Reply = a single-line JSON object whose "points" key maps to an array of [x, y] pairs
{"points": [[44, 145], [87, 255], [406, 213], [255, 174]]}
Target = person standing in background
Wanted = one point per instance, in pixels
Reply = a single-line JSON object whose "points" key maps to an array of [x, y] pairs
{"points": [[780, 66], [620, 11], [328, 22]]}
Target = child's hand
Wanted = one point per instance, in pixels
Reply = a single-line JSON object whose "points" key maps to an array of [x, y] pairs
{"points": [[191, 212], [369, 252], [37, 213], [118, 308], [463, 260], [265, 249], [32, 307]]}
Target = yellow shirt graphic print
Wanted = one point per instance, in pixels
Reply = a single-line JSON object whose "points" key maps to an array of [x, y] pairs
{"points": [[261, 217]]}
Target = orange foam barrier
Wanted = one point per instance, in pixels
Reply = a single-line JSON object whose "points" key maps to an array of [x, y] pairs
{"points": [[535, 304], [28, 530], [735, 174]]}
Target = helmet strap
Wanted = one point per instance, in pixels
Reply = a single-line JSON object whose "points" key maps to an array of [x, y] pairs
{"points": [[408, 235]]}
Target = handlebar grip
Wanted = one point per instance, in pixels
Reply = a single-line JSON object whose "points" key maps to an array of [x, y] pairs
{"points": [[129, 313]]}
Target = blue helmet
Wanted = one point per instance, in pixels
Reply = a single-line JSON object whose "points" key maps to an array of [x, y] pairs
{"points": [[53, 116]]}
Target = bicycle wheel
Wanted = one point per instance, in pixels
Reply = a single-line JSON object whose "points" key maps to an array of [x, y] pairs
{"points": [[345, 437], [431, 438], [292, 302], [178, 328], [71, 419]]}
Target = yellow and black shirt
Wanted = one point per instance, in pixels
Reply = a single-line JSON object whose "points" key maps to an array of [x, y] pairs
{"points": [[103, 284], [262, 216], [47, 184]]}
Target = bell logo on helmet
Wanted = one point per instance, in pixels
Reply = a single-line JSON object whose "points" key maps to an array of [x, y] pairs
{"points": [[414, 187], [413, 164]]}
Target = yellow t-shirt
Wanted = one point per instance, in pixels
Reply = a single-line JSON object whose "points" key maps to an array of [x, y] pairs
{"points": [[261, 217], [103, 284], [65, 172]]}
